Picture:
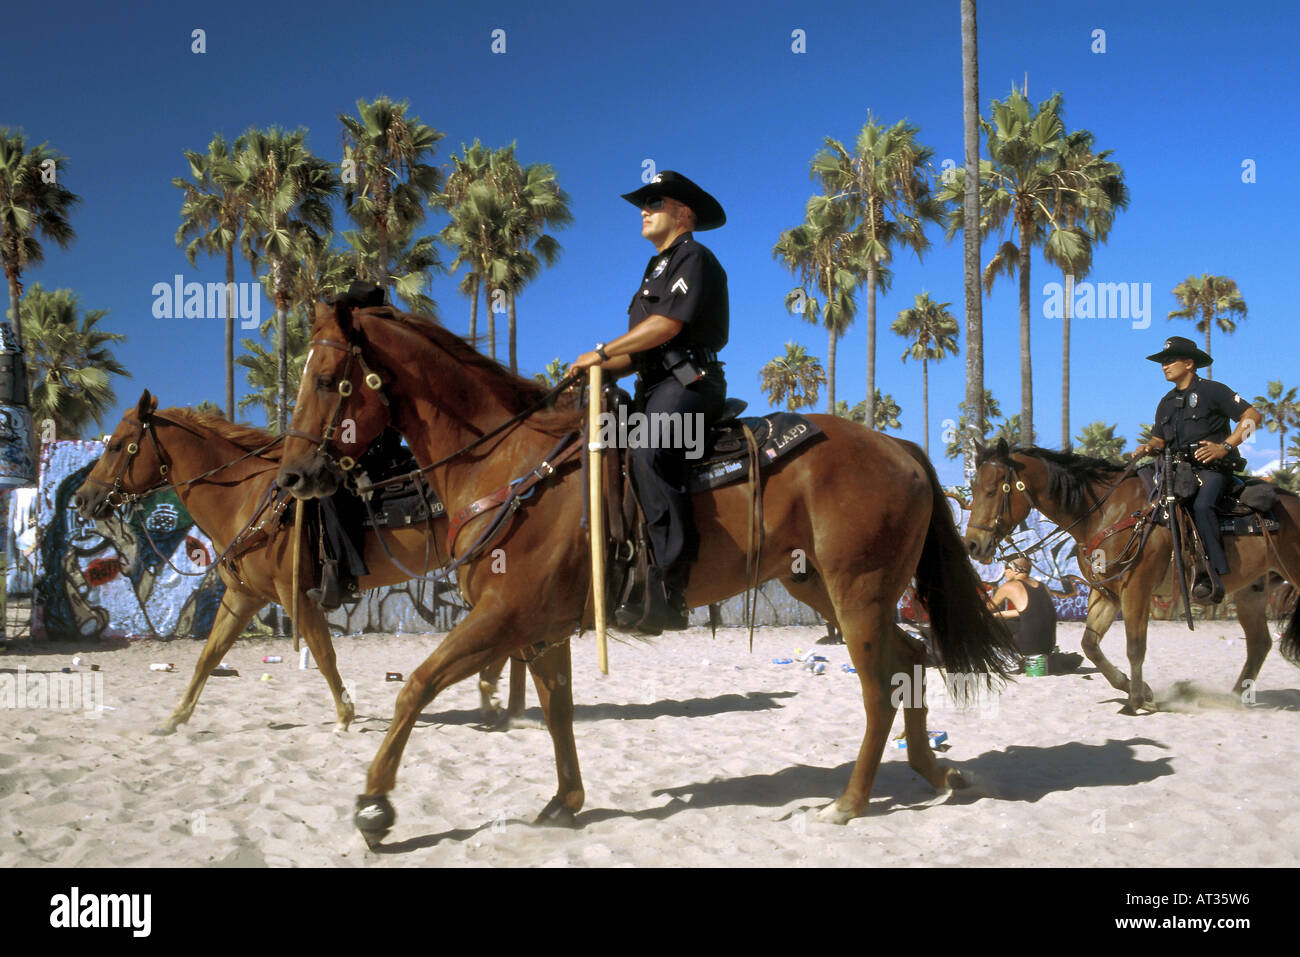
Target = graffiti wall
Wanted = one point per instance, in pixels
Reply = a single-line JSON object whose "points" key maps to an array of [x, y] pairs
{"points": [[152, 573]]}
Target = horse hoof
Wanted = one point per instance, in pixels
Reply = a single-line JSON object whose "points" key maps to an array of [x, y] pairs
{"points": [[163, 730], [1129, 710], [955, 780], [557, 814], [373, 816], [834, 814]]}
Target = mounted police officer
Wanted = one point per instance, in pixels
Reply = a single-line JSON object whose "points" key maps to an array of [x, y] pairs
{"points": [[677, 322], [1195, 419]]}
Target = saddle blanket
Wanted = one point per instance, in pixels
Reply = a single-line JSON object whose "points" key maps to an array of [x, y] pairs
{"points": [[778, 434]]}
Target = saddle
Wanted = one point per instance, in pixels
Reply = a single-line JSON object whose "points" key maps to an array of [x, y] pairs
{"points": [[1245, 505], [726, 459]]}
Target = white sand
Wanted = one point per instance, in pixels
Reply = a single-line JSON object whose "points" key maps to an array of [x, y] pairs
{"points": [[694, 752]]}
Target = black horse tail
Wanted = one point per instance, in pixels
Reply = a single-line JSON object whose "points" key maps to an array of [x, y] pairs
{"points": [[1290, 644], [969, 638]]}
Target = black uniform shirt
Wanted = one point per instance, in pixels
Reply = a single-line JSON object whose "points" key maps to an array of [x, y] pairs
{"points": [[687, 283], [1204, 410]]}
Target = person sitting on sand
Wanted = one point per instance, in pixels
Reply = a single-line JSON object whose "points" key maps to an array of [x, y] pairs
{"points": [[1031, 619]]}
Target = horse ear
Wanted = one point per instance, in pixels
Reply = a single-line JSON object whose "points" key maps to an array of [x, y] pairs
{"points": [[1004, 451], [980, 448], [147, 405]]}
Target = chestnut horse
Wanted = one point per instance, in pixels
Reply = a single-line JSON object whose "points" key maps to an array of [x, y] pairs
{"points": [[192, 444], [1067, 489], [847, 523]]}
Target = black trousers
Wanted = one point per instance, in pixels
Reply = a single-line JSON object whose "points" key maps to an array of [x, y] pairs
{"points": [[1213, 483], [662, 474]]}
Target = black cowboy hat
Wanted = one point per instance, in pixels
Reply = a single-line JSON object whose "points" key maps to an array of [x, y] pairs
{"points": [[1176, 347], [708, 211]]}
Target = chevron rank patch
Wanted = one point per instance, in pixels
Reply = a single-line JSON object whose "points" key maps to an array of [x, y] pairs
{"points": [[680, 286]]}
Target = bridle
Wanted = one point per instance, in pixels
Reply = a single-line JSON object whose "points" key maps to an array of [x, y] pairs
{"points": [[352, 351], [147, 427], [1010, 482]]}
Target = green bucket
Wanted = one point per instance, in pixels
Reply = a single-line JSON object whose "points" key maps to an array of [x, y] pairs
{"points": [[1035, 666]]}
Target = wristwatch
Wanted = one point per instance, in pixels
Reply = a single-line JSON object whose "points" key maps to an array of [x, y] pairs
{"points": [[600, 351]]}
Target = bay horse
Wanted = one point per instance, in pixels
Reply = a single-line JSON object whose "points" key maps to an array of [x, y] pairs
{"points": [[184, 444], [1094, 500], [847, 523]]}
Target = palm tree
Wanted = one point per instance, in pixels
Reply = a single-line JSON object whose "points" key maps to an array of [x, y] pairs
{"points": [[1281, 412], [932, 333], [1098, 190], [793, 377], [479, 232], [887, 412], [30, 204], [287, 188], [826, 253], [1209, 300], [536, 203], [885, 180], [70, 361], [556, 370], [393, 184], [965, 433], [1019, 186], [468, 167], [1100, 441], [1287, 478], [972, 234], [263, 370], [212, 215], [413, 263]]}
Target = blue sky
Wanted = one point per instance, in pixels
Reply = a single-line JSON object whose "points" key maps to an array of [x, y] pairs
{"points": [[1183, 94]]}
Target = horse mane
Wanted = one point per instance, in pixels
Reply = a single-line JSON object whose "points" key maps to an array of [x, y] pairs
{"points": [[1069, 475], [516, 391], [246, 437]]}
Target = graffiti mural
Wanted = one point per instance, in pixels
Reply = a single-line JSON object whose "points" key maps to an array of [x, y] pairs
{"points": [[149, 574]]}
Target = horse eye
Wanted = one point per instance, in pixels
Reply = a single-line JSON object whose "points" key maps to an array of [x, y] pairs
{"points": [[323, 383]]}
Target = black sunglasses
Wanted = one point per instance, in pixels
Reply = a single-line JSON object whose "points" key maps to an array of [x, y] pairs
{"points": [[654, 205]]}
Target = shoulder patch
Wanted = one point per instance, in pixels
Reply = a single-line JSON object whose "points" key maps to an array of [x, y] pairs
{"points": [[680, 286]]}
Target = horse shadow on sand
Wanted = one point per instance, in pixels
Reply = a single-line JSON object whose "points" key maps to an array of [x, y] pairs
{"points": [[665, 708], [1014, 773]]}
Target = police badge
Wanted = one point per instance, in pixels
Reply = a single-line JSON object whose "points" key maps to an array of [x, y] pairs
{"points": [[660, 266], [1192, 400]]}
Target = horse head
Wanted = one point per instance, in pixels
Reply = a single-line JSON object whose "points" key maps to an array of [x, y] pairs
{"points": [[131, 464], [999, 501], [340, 409]]}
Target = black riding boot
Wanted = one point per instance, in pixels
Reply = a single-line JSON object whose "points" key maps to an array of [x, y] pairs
{"points": [[329, 595], [662, 607]]}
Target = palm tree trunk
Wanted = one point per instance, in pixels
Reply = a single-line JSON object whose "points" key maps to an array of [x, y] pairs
{"points": [[473, 313], [510, 307], [230, 332], [1026, 370], [971, 229], [13, 310], [871, 343], [1209, 324], [281, 354], [830, 374], [925, 402], [1065, 364], [492, 322]]}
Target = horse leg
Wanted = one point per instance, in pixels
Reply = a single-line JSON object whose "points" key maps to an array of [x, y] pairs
{"points": [[910, 655], [315, 631], [489, 700], [518, 688], [867, 633], [234, 612], [1137, 605], [1252, 612], [553, 678], [469, 648], [1101, 615]]}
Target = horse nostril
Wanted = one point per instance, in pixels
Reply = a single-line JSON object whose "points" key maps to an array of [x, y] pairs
{"points": [[289, 479]]}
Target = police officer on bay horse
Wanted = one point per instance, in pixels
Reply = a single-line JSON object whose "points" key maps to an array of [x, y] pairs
{"points": [[1194, 417], [677, 322]]}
